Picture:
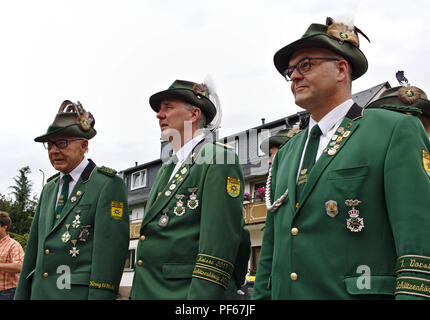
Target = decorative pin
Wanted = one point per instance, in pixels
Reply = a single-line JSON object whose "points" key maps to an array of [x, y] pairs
{"points": [[334, 137], [164, 219], [66, 235], [184, 170], [346, 134], [77, 222], [179, 210], [331, 151], [341, 130], [339, 139], [349, 125], [167, 193], [331, 208], [73, 199], [354, 222], [78, 193], [83, 236], [172, 187], [74, 252], [193, 203]]}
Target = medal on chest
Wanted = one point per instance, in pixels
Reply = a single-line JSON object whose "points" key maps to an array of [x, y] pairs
{"points": [[193, 203], [354, 222], [179, 210]]}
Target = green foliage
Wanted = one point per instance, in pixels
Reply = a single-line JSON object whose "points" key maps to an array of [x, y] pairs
{"points": [[21, 209]]}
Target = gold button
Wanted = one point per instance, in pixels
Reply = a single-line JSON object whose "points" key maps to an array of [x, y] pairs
{"points": [[293, 276], [142, 238], [47, 251], [45, 275], [140, 263], [294, 231]]}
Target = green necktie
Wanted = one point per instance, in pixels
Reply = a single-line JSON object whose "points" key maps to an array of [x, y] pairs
{"points": [[309, 159], [63, 196]]}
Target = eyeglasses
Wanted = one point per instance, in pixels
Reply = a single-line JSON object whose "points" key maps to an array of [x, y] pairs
{"points": [[60, 144], [304, 66]]}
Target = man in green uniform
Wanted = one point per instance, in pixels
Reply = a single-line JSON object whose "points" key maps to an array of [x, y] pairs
{"points": [[193, 242], [79, 237], [348, 225], [406, 99]]}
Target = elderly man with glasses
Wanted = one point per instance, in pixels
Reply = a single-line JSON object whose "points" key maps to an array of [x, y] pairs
{"points": [[79, 237], [349, 205]]}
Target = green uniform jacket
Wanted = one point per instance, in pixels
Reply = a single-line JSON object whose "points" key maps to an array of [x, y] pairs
{"points": [[201, 252], [382, 163], [99, 202]]}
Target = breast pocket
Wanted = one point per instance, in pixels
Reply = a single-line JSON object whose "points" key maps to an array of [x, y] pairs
{"points": [[348, 180]]}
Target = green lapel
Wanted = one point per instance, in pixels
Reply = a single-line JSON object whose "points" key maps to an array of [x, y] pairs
{"points": [[47, 213], [77, 193], [349, 124], [293, 169]]}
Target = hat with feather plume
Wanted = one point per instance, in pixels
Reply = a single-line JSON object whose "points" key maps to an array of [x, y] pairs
{"points": [[339, 37]]}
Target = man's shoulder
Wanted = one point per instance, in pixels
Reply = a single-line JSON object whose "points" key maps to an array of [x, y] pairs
{"points": [[107, 171]]}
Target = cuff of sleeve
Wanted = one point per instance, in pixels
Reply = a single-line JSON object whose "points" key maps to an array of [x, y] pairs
{"points": [[412, 286], [213, 269]]}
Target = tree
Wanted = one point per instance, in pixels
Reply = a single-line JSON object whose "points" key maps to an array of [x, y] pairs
{"points": [[22, 209]]}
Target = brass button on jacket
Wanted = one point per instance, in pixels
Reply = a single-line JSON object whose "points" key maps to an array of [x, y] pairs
{"points": [[293, 276], [294, 231]]}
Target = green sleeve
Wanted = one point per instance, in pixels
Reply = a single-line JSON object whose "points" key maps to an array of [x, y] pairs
{"points": [[111, 239], [221, 231], [407, 194]]}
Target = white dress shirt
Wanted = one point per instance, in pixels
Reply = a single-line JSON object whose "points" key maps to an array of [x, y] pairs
{"points": [[183, 153], [328, 126], [75, 174]]}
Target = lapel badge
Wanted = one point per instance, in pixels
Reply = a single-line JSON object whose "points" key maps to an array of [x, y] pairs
{"points": [[164, 219], [78, 193], [193, 203], [331, 151], [74, 252], [179, 210], [77, 221], [341, 130], [346, 134], [184, 170], [339, 139], [172, 187], [73, 199], [331, 208], [354, 222], [167, 193], [334, 137], [83, 236], [66, 235], [349, 125]]}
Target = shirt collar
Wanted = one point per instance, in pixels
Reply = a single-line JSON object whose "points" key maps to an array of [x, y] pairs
{"points": [[332, 118], [77, 172], [188, 147], [5, 238]]}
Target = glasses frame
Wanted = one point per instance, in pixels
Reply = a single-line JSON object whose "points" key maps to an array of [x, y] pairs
{"points": [[48, 144], [289, 71]]}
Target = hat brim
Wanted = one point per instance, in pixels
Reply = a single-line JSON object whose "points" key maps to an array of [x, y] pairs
{"points": [[186, 95], [347, 50], [422, 104], [272, 142], [68, 131]]}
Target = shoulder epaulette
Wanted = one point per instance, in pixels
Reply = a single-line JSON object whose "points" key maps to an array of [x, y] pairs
{"points": [[53, 177], [403, 109], [224, 145], [107, 171]]}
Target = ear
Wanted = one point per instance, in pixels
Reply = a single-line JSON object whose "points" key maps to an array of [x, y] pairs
{"points": [[343, 69], [195, 114]]}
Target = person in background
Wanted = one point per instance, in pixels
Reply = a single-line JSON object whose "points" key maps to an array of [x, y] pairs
{"points": [[11, 257]]}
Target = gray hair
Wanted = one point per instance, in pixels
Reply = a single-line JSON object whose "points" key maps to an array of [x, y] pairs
{"points": [[201, 121]]}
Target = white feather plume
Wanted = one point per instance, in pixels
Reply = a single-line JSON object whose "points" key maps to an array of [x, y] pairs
{"points": [[213, 96]]}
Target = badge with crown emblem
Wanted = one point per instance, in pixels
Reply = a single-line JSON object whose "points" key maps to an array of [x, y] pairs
{"points": [[193, 203], [179, 210], [354, 222]]}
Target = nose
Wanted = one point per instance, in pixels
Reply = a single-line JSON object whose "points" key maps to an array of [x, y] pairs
{"points": [[296, 74], [161, 114]]}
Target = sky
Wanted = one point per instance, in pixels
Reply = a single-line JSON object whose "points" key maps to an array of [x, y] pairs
{"points": [[112, 55]]}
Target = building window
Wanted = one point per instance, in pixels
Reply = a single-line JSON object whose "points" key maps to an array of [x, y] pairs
{"points": [[130, 262], [261, 136], [259, 191], [137, 214], [138, 179]]}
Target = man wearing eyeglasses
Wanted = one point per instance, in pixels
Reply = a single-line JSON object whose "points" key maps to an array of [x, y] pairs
{"points": [[78, 240], [351, 218]]}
